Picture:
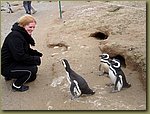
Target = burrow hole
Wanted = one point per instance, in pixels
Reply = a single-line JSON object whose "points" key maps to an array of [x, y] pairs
{"points": [[99, 35]]}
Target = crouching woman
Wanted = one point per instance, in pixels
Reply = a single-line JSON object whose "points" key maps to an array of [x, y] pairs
{"points": [[18, 60]]}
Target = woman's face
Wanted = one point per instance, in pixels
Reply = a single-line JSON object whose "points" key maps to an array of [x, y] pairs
{"points": [[30, 27]]}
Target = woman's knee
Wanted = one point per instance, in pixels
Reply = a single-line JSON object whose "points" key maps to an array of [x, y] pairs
{"points": [[33, 76], [34, 69]]}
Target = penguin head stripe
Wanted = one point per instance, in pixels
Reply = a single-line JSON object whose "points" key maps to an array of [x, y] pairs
{"points": [[105, 61], [113, 70], [104, 56], [66, 64], [116, 63]]}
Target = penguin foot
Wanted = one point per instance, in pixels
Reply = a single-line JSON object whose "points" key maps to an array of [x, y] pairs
{"points": [[114, 91], [74, 97], [101, 74], [110, 84], [106, 73]]}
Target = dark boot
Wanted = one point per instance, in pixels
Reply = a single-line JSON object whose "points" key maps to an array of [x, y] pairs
{"points": [[20, 88]]}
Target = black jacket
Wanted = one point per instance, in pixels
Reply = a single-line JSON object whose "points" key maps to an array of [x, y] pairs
{"points": [[16, 50]]}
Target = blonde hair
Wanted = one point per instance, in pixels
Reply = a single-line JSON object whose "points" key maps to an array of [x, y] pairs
{"points": [[25, 20]]}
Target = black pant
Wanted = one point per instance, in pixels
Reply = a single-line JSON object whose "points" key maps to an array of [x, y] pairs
{"points": [[27, 6], [23, 74]]}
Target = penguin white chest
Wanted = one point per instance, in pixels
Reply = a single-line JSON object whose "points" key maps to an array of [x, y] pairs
{"points": [[112, 76], [105, 67], [68, 78]]}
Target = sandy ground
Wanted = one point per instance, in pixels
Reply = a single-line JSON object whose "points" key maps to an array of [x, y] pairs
{"points": [[125, 23]]}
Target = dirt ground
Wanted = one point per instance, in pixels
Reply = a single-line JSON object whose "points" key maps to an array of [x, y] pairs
{"points": [[124, 22]]}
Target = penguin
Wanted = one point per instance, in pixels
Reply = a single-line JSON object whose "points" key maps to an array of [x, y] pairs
{"points": [[9, 8], [78, 85], [104, 65], [117, 76]]}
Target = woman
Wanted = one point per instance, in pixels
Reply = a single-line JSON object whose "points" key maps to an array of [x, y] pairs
{"points": [[18, 60]]}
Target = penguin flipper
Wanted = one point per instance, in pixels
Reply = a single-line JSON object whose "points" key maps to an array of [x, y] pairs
{"points": [[117, 80], [116, 89], [75, 90]]}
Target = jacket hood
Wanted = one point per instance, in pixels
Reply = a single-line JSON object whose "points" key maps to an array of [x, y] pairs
{"points": [[27, 37]]}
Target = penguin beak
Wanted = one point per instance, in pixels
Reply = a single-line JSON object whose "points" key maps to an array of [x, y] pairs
{"points": [[100, 55], [110, 60], [59, 60]]}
